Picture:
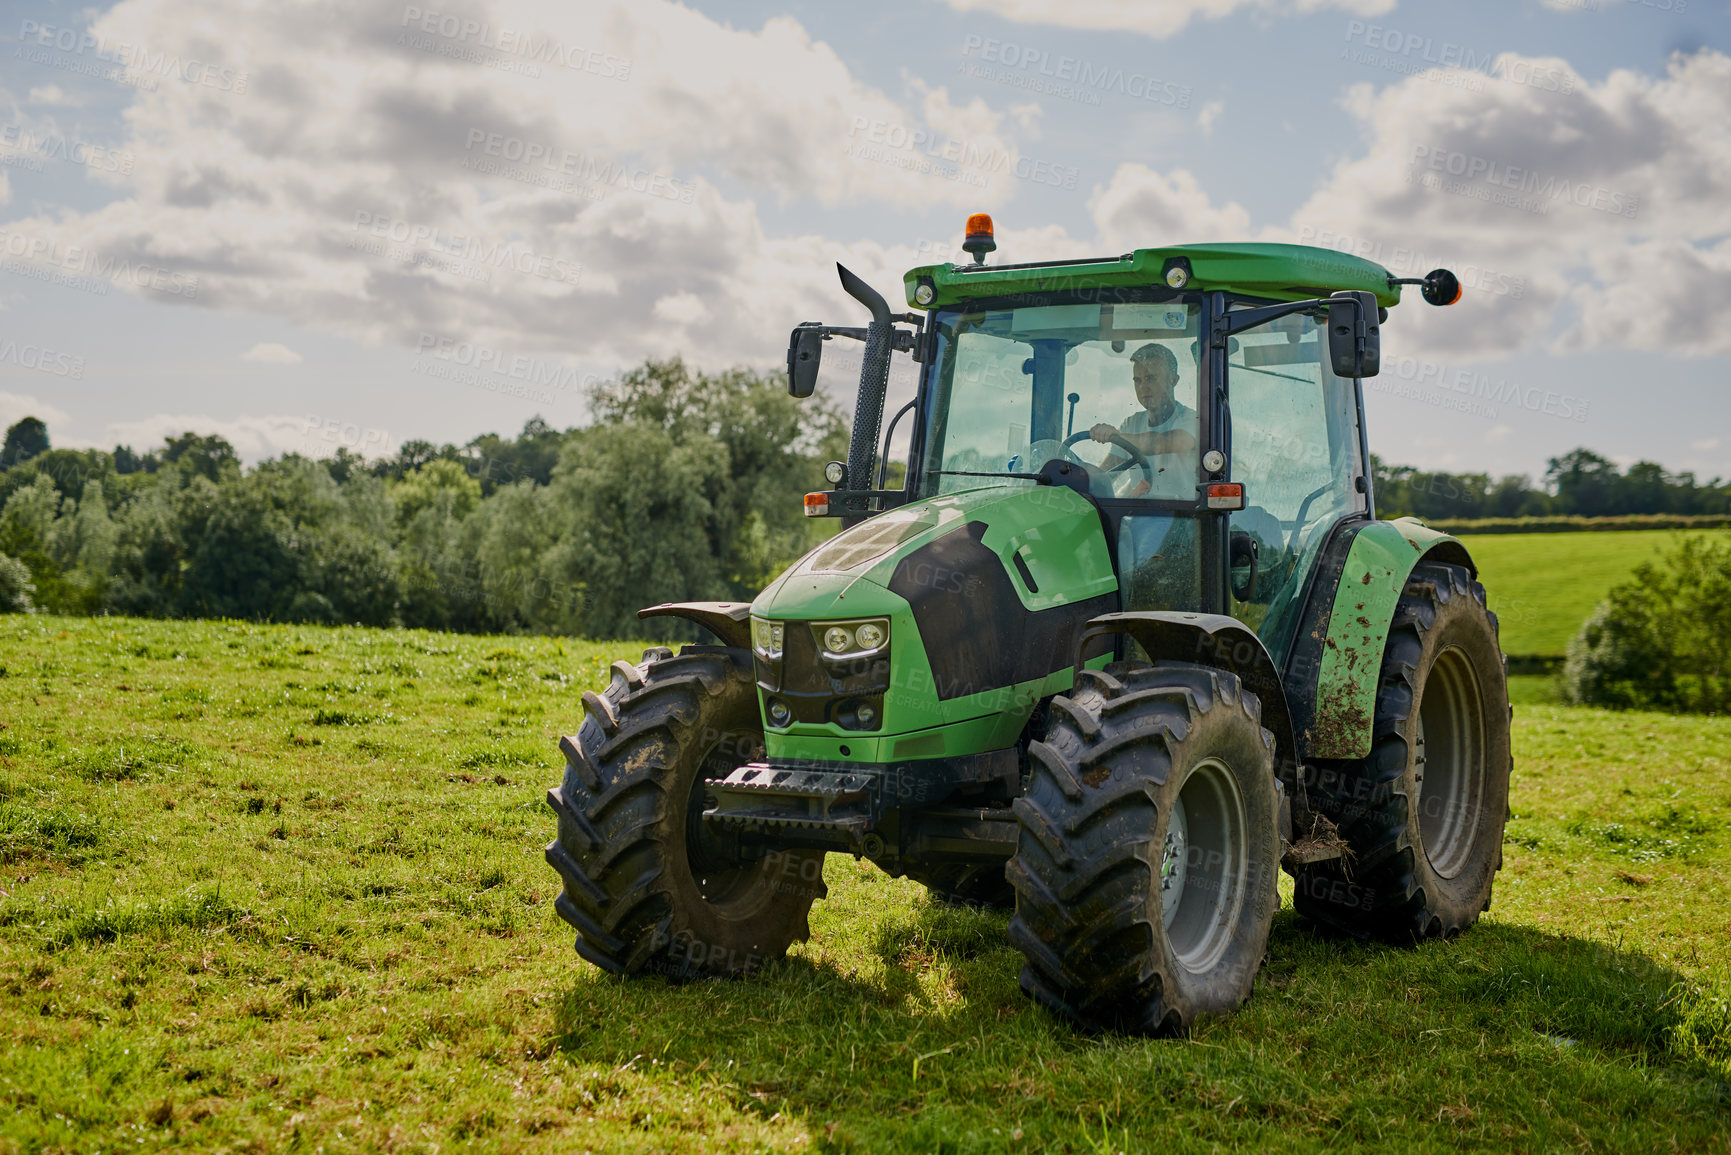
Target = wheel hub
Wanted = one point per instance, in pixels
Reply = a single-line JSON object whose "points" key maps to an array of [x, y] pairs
{"points": [[1174, 862], [1204, 866], [1449, 762]]}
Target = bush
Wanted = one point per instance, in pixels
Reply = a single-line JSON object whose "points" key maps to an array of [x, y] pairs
{"points": [[1661, 640], [15, 587]]}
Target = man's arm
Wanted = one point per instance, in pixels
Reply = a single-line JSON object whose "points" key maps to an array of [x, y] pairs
{"points": [[1172, 441]]}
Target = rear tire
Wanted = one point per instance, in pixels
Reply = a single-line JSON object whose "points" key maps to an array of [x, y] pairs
{"points": [[1423, 813], [647, 886], [1146, 870]]}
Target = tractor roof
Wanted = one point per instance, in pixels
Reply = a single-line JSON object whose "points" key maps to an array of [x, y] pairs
{"points": [[1278, 272]]}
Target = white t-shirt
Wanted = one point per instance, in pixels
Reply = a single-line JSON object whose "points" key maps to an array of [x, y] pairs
{"points": [[1174, 473]]}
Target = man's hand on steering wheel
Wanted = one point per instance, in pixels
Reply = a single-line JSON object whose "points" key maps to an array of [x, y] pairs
{"points": [[1113, 437]]}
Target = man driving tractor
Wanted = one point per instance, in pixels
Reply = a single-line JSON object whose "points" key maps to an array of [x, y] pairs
{"points": [[1164, 428]]}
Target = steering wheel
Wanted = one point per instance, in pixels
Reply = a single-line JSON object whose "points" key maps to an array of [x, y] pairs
{"points": [[1118, 439]]}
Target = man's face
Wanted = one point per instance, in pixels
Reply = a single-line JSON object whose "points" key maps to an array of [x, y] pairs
{"points": [[1154, 381]]}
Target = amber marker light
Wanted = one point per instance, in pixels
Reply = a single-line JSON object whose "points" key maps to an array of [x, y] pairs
{"points": [[1226, 495], [817, 505]]}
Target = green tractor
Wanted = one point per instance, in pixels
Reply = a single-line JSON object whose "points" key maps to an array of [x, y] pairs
{"points": [[1128, 640]]}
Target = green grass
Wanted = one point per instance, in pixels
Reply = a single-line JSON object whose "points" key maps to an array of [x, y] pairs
{"points": [[1543, 585], [276, 888]]}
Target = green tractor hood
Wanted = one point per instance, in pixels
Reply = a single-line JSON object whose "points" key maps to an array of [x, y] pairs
{"points": [[983, 593]]}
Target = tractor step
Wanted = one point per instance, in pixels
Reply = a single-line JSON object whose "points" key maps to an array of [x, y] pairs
{"points": [[831, 806]]}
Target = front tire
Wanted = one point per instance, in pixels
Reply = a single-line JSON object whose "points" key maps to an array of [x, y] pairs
{"points": [[1146, 870], [1423, 813], [647, 885]]}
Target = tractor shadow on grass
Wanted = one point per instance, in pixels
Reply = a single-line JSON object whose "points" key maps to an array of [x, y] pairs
{"points": [[939, 985]]}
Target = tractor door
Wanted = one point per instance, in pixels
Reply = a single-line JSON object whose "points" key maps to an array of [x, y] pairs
{"points": [[1294, 444]]}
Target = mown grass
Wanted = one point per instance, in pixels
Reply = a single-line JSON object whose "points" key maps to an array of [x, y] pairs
{"points": [[273, 888], [1543, 585]]}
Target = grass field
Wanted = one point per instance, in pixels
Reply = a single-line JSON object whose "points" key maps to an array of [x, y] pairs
{"points": [[1543, 585], [276, 888]]}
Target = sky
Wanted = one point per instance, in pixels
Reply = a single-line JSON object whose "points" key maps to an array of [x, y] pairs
{"points": [[322, 224]]}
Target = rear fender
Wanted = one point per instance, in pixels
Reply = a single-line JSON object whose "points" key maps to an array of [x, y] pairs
{"points": [[1337, 662], [729, 621]]}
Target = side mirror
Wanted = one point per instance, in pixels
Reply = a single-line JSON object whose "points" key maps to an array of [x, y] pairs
{"points": [[804, 353], [1243, 556], [1354, 335]]}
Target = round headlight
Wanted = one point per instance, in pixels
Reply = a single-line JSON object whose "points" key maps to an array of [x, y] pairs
{"points": [[923, 295], [779, 714], [866, 715], [837, 640], [1178, 276], [870, 636], [834, 472]]}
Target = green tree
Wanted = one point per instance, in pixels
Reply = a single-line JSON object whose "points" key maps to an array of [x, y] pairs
{"points": [[635, 526], [16, 587], [1662, 639], [25, 439]]}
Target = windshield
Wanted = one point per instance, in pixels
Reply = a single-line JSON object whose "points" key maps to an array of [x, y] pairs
{"points": [[1112, 387]]}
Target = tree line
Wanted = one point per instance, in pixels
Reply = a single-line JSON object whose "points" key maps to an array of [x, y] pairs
{"points": [[685, 486], [1580, 483]]}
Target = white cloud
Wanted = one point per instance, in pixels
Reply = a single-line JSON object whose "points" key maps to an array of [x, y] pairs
{"points": [[1498, 433], [290, 200], [1157, 18], [1143, 208], [14, 407], [54, 96], [1208, 115], [271, 353], [1705, 445], [1582, 215], [254, 438]]}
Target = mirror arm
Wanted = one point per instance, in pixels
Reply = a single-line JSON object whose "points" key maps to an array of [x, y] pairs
{"points": [[1236, 321]]}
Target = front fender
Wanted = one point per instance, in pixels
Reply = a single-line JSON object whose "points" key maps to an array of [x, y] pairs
{"points": [[729, 621], [1208, 640]]}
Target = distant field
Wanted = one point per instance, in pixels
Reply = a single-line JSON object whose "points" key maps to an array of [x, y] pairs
{"points": [[1543, 585], [276, 888]]}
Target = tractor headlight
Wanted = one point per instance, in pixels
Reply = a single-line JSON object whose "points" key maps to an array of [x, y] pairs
{"points": [[840, 639], [766, 638]]}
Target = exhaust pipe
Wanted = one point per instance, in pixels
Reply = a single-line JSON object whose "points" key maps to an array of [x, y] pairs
{"points": [[874, 384]]}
